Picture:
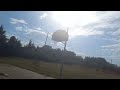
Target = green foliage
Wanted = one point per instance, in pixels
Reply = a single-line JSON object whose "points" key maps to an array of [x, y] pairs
{"points": [[3, 38], [13, 42]]}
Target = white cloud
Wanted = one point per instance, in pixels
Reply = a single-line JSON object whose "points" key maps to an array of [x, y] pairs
{"points": [[84, 31], [28, 31], [60, 44], [44, 15], [109, 15], [117, 32], [111, 46], [15, 21], [110, 39], [111, 50], [20, 28], [38, 28], [108, 19]]}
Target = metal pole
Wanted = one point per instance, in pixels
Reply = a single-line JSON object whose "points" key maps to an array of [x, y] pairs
{"points": [[61, 69]]}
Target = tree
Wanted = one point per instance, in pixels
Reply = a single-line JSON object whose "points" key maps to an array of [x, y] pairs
{"points": [[3, 39], [19, 43], [30, 44], [47, 47], [14, 47], [13, 42]]}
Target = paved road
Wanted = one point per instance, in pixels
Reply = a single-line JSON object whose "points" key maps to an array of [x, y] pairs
{"points": [[12, 72]]}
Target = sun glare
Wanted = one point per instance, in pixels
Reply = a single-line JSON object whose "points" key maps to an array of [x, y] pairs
{"points": [[74, 18]]}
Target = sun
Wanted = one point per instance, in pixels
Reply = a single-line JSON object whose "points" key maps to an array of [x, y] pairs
{"points": [[74, 18]]}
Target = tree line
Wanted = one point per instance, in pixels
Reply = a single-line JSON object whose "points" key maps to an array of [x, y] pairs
{"points": [[12, 47]]}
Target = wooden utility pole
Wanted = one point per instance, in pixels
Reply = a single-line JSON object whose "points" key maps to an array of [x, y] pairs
{"points": [[46, 38]]}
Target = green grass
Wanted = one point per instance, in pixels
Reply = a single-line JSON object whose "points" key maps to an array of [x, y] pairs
{"points": [[53, 69]]}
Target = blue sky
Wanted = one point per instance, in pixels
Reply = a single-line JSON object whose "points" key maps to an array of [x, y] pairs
{"points": [[91, 33]]}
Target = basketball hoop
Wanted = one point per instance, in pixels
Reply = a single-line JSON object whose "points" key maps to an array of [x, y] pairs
{"points": [[60, 36]]}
